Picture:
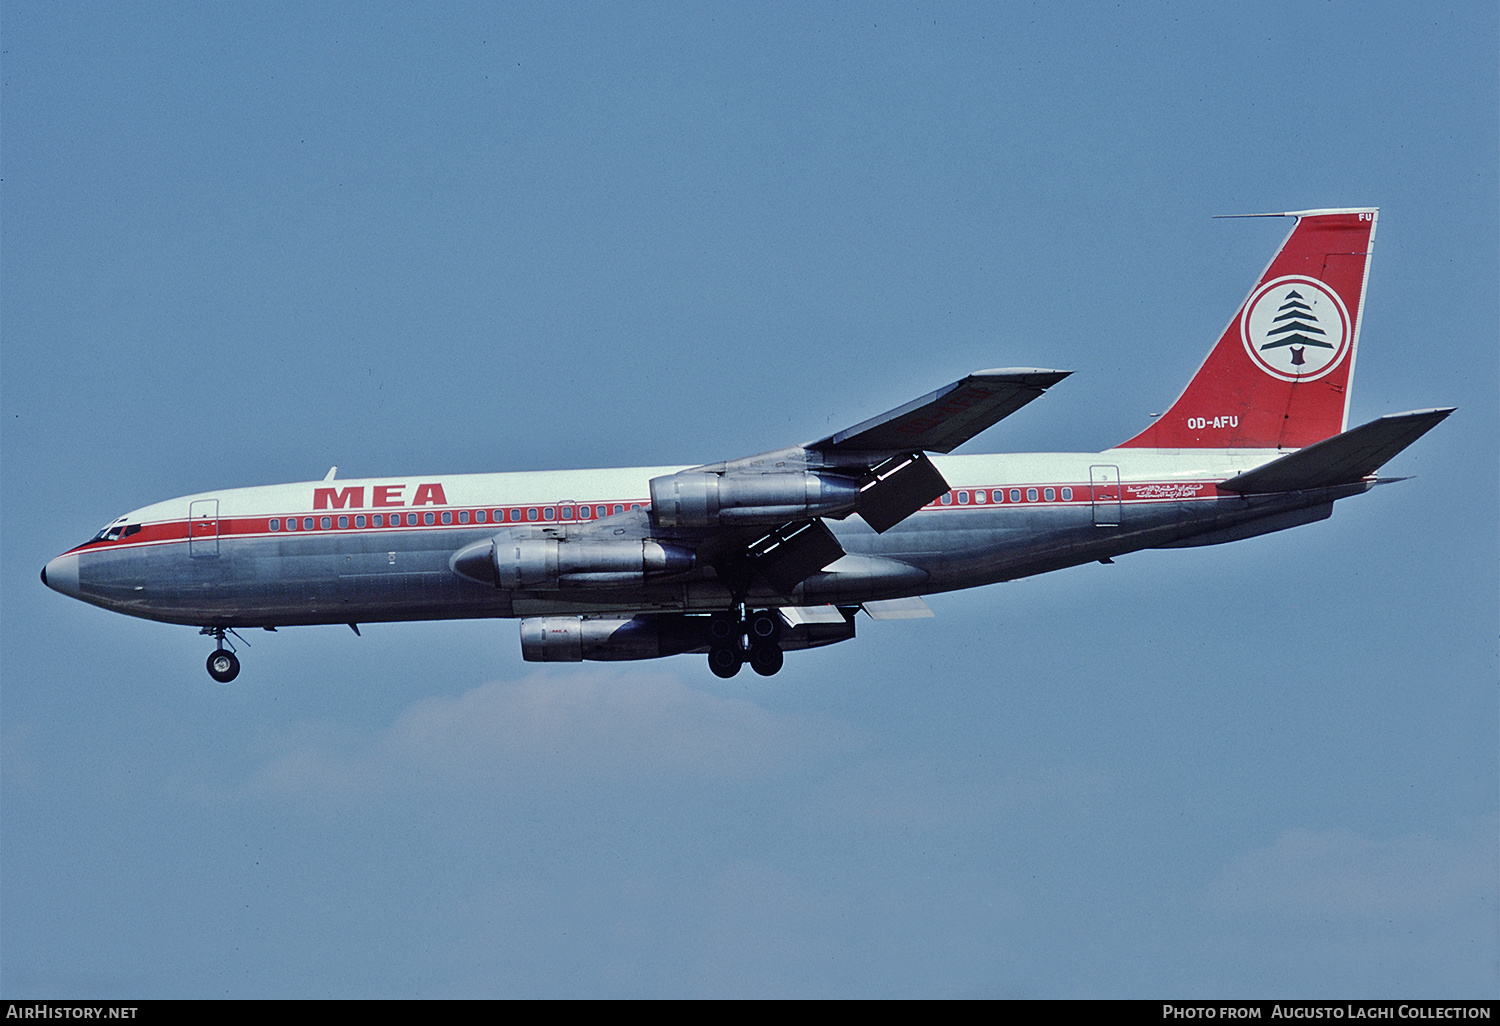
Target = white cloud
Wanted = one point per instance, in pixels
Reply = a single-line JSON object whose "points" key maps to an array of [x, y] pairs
{"points": [[552, 728]]}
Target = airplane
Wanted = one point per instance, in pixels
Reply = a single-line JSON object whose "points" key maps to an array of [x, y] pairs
{"points": [[750, 558]]}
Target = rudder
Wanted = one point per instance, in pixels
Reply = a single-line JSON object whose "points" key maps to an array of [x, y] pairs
{"points": [[1279, 376]]}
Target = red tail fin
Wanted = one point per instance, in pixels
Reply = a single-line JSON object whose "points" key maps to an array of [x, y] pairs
{"points": [[1279, 377]]}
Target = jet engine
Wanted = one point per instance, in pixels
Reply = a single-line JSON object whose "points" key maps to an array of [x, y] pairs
{"points": [[570, 639], [549, 564], [698, 499]]}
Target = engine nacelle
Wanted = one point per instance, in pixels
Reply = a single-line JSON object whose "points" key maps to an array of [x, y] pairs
{"points": [[570, 639], [547, 563], [699, 499]]}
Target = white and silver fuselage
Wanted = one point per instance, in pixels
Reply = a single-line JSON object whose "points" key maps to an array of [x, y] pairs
{"points": [[381, 549]]}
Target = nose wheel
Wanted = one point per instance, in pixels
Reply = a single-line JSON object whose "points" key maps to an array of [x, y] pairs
{"points": [[739, 637], [223, 664]]}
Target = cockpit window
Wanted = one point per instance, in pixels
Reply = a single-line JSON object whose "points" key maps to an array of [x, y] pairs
{"points": [[111, 531]]}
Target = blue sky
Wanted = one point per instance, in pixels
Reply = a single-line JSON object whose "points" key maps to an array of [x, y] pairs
{"points": [[241, 244]]}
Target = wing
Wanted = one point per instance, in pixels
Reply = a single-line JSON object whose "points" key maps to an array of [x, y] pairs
{"points": [[761, 517], [758, 522], [943, 420]]}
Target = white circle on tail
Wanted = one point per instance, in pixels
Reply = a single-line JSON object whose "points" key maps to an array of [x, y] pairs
{"points": [[1295, 328]]}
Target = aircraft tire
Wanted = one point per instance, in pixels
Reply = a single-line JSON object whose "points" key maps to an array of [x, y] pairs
{"points": [[724, 661], [766, 660], [765, 627], [721, 628], [223, 666]]}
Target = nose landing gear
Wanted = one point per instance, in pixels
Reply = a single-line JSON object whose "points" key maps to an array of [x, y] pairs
{"points": [[223, 664], [740, 637]]}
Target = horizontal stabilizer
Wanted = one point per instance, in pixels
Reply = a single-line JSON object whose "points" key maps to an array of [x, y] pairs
{"points": [[1343, 459], [945, 419]]}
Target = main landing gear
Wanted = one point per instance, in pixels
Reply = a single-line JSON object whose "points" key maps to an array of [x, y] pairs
{"points": [[741, 637], [223, 664]]}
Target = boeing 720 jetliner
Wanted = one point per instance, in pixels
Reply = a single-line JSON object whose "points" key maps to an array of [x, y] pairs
{"points": [[747, 559]]}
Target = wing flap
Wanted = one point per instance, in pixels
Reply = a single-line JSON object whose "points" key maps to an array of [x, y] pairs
{"points": [[1343, 459], [899, 609], [941, 421]]}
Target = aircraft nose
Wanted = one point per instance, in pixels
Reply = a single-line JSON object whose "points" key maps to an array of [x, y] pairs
{"points": [[61, 574]]}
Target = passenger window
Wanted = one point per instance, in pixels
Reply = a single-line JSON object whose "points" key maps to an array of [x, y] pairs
{"points": [[291, 523], [275, 524], [1015, 495], [1048, 494], [549, 513], [1067, 495], [584, 513], [565, 512], [427, 519], [377, 520], [463, 516], [411, 520], [963, 498], [343, 522], [479, 517], [447, 518], [1031, 495], [359, 521], [515, 516], [947, 499], [533, 514]]}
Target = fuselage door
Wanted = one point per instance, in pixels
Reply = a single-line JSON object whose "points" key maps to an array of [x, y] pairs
{"points": [[203, 528], [1105, 482]]}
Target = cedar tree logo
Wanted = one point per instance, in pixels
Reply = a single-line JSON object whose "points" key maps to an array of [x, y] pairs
{"points": [[1295, 328]]}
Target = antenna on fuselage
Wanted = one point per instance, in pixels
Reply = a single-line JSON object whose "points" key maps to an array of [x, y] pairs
{"points": [[331, 471]]}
